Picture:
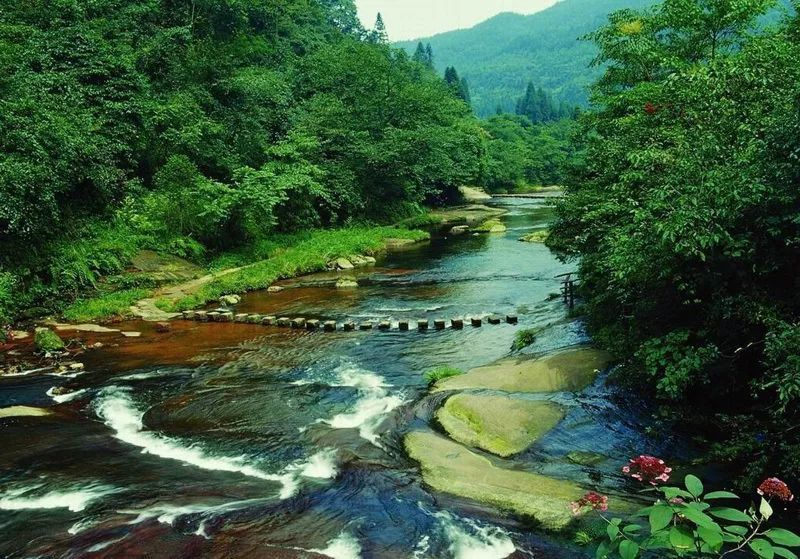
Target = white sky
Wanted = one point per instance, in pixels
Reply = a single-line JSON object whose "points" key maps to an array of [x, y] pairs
{"points": [[412, 19]]}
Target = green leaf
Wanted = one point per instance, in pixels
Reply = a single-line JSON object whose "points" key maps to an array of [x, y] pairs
{"points": [[738, 530], [762, 548], [632, 529], [672, 492], [628, 549], [694, 485], [681, 538], [660, 517], [699, 518], [765, 509], [783, 552], [783, 537], [720, 495], [613, 531], [602, 551], [730, 514], [712, 536]]}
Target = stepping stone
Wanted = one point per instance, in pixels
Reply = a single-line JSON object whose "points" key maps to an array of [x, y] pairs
{"points": [[403, 325], [299, 323], [365, 326], [213, 316], [494, 319], [201, 316], [188, 315], [349, 326], [240, 317], [225, 317], [254, 319], [477, 322], [284, 322], [439, 324], [422, 324], [269, 320], [457, 323], [512, 319], [312, 324], [385, 325], [330, 326]]}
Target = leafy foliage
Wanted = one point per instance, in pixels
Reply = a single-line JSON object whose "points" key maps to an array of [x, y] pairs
{"points": [[684, 210]]}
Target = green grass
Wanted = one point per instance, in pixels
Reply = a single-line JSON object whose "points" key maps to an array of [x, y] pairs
{"points": [[104, 306], [439, 373], [295, 255], [421, 221]]}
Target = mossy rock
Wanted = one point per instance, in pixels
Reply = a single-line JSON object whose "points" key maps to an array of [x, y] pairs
{"points": [[502, 425], [45, 340], [535, 237], [491, 226], [569, 370], [452, 468]]}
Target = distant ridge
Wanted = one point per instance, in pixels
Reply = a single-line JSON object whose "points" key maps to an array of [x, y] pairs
{"points": [[500, 55]]}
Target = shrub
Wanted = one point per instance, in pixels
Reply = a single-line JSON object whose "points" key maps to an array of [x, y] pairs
{"points": [[524, 338], [6, 298], [440, 373]]}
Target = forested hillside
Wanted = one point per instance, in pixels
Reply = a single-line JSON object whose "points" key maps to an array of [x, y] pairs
{"points": [[501, 55], [194, 127]]}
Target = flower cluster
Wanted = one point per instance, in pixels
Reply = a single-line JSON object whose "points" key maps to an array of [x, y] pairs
{"points": [[773, 487], [590, 501], [648, 469]]}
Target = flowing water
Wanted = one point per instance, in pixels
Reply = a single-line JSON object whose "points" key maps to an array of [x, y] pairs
{"points": [[235, 440]]}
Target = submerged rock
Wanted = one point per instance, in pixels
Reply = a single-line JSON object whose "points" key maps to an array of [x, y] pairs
{"points": [[275, 289], [569, 370], [451, 468], [535, 237], [491, 226], [459, 230], [502, 425], [346, 283], [24, 411], [47, 341]]}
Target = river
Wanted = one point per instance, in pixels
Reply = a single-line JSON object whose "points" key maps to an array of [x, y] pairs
{"points": [[237, 440]]}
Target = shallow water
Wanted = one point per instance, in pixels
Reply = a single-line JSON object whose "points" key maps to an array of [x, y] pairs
{"points": [[235, 440]]}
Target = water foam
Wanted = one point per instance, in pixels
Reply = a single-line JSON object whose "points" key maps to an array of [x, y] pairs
{"points": [[75, 500], [119, 413], [343, 546], [469, 540], [62, 398], [373, 405]]}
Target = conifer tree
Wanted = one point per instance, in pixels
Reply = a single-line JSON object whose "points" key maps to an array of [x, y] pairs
{"points": [[429, 55], [378, 34], [419, 54]]}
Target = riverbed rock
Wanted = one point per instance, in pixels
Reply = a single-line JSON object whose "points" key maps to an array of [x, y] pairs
{"points": [[230, 300], [163, 327], [452, 468], [491, 226], [94, 328], [346, 283], [47, 341], [502, 425], [23, 411], [275, 289], [535, 237], [131, 334], [459, 230], [343, 264], [360, 261], [398, 244], [569, 370]]}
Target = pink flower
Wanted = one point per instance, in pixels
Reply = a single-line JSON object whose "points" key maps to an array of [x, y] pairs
{"points": [[590, 501], [773, 487], [647, 469]]}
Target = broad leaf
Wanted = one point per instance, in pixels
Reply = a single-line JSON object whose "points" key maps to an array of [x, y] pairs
{"points": [[712, 536], [762, 548], [660, 517], [694, 485], [628, 549], [783, 537], [765, 509], [783, 552], [720, 495], [733, 515], [681, 538]]}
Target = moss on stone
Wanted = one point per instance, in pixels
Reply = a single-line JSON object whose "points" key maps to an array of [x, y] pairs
{"points": [[46, 340], [502, 425], [569, 370], [452, 468]]}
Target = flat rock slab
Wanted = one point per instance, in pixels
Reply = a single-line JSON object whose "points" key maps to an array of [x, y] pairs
{"points": [[24, 411], [96, 328], [569, 370], [131, 334], [451, 468], [502, 425]]}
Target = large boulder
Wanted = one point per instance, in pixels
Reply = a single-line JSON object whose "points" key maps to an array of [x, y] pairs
{"points": [[47, 341], [502, 425], [569, 370], [451, 468]]}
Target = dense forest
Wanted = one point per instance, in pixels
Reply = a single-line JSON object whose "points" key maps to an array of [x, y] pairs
{"points": [[684, 212], [193, 128]]}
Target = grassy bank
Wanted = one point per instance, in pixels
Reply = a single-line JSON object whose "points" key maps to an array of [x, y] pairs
{"points": [[283, 256]]}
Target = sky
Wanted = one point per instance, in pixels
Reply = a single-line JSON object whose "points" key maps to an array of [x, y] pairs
{"points": [[412, 19]]}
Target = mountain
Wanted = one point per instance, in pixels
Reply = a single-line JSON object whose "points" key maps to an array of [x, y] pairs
{"points": [[501, 55]]}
